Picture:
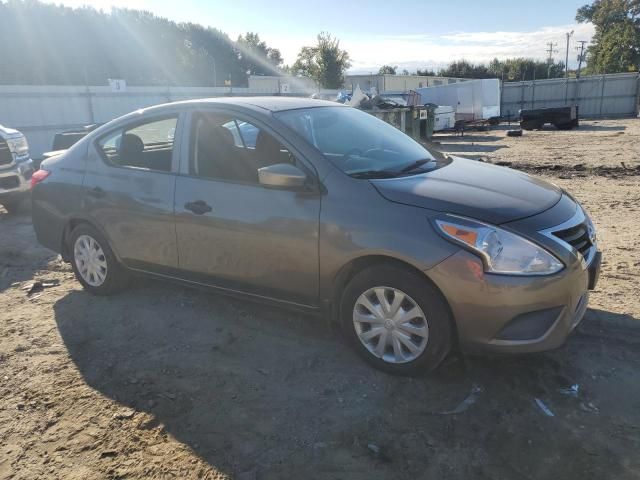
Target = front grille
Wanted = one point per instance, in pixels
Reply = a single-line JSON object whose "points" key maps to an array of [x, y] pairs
{"points": [[5, 154], [7, 183], [577, 237]]}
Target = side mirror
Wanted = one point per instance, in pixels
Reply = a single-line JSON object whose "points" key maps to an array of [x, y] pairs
{"points": [[283, 175]]}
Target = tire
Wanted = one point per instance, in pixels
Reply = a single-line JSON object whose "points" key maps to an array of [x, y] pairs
{"points": [[417, 291], [115, 277]]}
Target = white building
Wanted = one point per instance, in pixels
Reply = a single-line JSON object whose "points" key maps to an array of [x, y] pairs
{"points": [[281, 84], [395, 83]]}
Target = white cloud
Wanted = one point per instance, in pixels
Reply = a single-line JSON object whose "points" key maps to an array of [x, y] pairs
{"points": [[412, 51]]}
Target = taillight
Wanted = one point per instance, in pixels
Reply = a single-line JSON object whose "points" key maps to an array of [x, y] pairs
{"points": [[38, 176]]}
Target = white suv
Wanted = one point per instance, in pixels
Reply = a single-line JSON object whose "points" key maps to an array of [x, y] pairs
{"points": [[16, 168]]}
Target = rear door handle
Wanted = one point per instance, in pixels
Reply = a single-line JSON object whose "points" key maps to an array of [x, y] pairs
{"points": [[96, 192], [199, 207]]}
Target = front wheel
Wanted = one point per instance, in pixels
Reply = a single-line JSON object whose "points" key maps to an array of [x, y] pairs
{"points": [[94, 263], [396, 320]]}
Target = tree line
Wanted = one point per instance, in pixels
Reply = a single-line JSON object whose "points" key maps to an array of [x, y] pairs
{"points": [[511, 69], [46, 44]]}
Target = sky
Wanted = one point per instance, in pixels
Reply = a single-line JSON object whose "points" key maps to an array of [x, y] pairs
{"points": [[409, 35]]}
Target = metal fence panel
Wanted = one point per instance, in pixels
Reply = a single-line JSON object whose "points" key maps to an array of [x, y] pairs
{"points": [[42, 111], [597, 96]]}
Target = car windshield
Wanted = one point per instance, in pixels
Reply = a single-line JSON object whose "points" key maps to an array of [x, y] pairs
{"points": [[358, 143]]}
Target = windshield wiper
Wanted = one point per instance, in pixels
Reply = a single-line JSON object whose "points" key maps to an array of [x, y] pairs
{"points": [[414, 165], [374, 174]]}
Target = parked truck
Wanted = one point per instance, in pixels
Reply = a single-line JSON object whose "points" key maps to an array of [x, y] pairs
{"points": [[16, 168]]}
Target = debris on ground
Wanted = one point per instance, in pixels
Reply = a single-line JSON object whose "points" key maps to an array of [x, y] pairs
{"points": [[463, 406], [546, 410], [374, 448], [514, 133], [589, 407], [572, 391], [39, 285], [378, 452]]}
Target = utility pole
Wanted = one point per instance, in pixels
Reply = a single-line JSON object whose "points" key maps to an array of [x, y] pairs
{"points": [[566, 65], [581, 56], [215, 83], [551, 50]]}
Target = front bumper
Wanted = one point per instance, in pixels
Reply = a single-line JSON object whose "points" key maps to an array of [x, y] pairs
{"points": [[15, 180], [511, 314]]}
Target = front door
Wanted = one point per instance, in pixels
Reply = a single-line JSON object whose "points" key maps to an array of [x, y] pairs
{"points": [[232, 231]]}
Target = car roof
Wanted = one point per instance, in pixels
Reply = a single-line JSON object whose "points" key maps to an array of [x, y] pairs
{"points": [[269, 103]]}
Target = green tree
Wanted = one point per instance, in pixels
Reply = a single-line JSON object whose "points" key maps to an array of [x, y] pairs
{"points": [[387, 70], [257, 58], [325, 62], [426, 73], [511, 69], [465, 69], [615, 46], [516, 69]]}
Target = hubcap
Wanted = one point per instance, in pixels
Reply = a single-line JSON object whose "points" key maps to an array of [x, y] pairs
{"points": [[90, 260], [390, 324]]}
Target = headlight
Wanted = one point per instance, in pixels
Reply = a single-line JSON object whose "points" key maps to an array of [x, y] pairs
{"points": [[19, 146], [502, 252]]}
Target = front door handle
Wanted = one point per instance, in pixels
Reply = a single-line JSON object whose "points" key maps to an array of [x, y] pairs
{"points": [[96, 192], [199, 207]]}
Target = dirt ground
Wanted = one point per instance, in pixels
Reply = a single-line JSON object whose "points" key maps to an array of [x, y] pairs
{"points": [[168, 382]]}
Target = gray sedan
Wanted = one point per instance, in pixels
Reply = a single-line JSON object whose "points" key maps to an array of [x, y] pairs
{"points": [[325, 208]]}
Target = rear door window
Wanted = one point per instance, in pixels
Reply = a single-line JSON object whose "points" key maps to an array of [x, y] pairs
{"points": [[146, 145]]}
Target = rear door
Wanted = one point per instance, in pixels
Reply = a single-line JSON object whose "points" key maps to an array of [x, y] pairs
{"points": [[234, 232], [129, 188]]}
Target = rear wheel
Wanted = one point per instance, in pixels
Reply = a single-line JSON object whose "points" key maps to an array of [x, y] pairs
{"points": [[396, 320], [94, 263]]}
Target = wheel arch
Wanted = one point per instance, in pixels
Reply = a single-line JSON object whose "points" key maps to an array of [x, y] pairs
{"points": [[73, 223], [357, 265]]}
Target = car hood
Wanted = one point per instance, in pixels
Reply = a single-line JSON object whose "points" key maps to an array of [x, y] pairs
{"points": [[473, 189]]}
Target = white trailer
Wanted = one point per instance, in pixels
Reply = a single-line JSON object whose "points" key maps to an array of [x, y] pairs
{"points": [[472, 101]]}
